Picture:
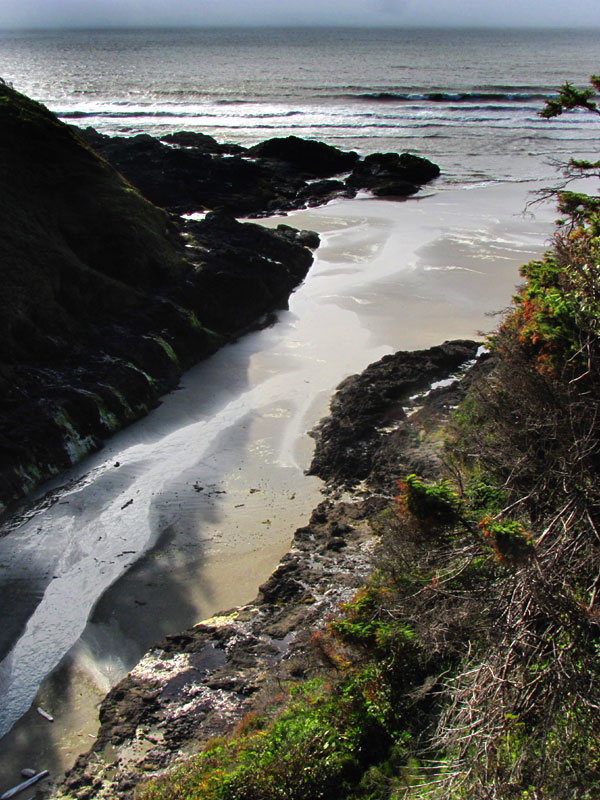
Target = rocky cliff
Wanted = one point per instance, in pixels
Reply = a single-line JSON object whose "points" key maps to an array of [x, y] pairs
{"points": [[107, 298]]}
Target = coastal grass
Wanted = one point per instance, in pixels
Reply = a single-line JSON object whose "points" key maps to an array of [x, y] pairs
{"points": [[316, 748]]}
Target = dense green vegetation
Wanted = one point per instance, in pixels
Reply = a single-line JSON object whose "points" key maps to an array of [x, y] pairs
{"points": [[469, 666]]}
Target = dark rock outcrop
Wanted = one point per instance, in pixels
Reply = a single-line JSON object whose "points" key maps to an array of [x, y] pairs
{"points": [[392, 174], [366, 407], [240, 267], [106, 298], [187, 178], [307, 158], [187, 171], [319, 192], [395, 189], [202, 142]]}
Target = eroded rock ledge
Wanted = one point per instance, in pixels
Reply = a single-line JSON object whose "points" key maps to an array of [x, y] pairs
{"points": [[188, 171], [200, 683], [365, 436]]}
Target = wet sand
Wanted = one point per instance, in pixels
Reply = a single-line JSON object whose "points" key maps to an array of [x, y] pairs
{"points": [[216, 473]]}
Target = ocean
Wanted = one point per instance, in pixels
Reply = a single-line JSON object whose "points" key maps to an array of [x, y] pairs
{"points": [[468, 99]]}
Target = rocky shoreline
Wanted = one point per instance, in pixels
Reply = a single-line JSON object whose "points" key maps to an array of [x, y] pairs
{"points": [[110, 295], [366, 436], [201, 683], [187, 172]]}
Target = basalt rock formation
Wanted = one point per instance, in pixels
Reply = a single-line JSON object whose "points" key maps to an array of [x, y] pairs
{"points": [[187, 171], [196, 175], [390, 174], [307, 158], [107, 298], [353, 442]]}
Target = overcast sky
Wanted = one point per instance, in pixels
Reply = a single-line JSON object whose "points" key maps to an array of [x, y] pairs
{"points": [[94, 13]]}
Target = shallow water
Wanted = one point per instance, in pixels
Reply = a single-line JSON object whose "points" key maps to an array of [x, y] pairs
{"points": [[211, 485]]}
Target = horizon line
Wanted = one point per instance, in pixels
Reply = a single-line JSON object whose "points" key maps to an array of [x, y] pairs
{"points": [[284, 26]]}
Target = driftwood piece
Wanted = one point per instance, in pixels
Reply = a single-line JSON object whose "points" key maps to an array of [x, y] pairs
{"points": [[16, 789], [45, 714]]}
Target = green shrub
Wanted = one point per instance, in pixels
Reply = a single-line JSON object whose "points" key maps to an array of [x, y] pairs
{"points": [[429, 502]]}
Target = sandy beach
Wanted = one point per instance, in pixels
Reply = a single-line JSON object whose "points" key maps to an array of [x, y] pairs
{"points": [[216, 473]]}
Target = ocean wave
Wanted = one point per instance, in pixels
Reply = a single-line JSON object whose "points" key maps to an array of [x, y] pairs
{"points": [[121, 114], [474, 121], [472, 125], [449, 97], [174, 113]]}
